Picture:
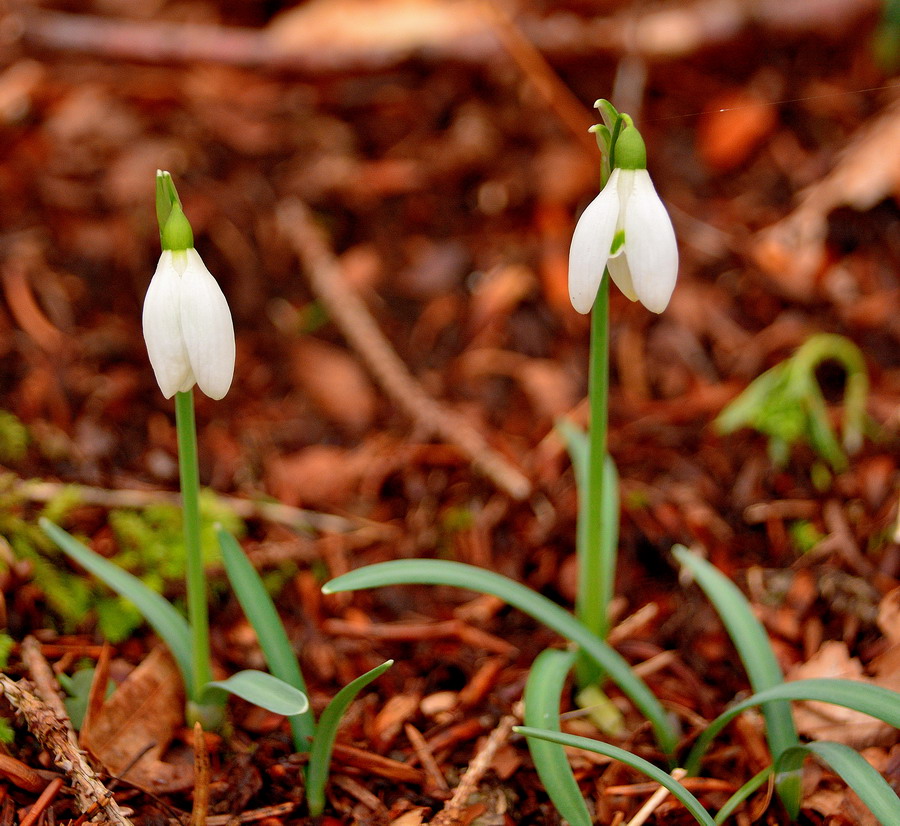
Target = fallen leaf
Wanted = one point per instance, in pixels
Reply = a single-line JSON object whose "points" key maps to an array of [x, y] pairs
{"points": [[396, 711], [319, 475], [825, 721], [335, 382], [792, 251], [414, 817], [889, 616], [135, 725]]}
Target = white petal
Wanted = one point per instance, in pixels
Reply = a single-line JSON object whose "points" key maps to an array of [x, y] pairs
{"points": [[650, 245], [621, 275], [591, 241], [162, 329], [207, 328]]}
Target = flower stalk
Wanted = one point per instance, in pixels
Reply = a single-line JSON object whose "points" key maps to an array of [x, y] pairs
{"points": [[624, 234], [595, 590], [190, 340], [189, 473]]}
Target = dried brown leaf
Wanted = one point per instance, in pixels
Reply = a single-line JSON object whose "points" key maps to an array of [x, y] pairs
{"points": [[137, 723], [335, 382], [792, 251], [825, 721], [889, 616]]}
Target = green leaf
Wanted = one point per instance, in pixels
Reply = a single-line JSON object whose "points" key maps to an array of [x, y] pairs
{"points": [[874, 700], [261, 613], [653, 772], [320, 756], [7, 643], [601, 710], [855, 771], [578, 446], [743, 793], [786, 402], [542, 696], [261, 689], [755, 651], [744, 410], [608, 112], [163, 618], [78, 689], [441, 572]]}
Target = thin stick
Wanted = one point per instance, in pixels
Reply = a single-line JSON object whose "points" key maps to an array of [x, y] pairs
{"points": [[426, 758], [556, 94], [56, 736], [201, 778], [42, 802], [655, 799], [279, 810], [352, 316], [472, 777], [363, 795], [689, 26], [21, 775], [36, 491], [44, 679]]}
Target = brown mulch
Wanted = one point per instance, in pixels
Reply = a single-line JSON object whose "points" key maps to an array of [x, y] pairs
{"points": [[439, 149]]}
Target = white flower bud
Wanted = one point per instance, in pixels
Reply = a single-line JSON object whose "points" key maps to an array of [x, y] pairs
{"points": [[626, 227], [187, 327]]}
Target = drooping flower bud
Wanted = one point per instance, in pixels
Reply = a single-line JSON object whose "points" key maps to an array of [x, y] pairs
{"points": [[187, 324], [625, 228]]}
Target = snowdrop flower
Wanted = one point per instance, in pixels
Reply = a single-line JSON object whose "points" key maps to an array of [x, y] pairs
{"points": [[187, 324], [626, 228]]}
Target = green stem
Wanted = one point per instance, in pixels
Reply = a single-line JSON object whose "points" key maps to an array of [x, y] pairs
{"points": [[195, 578], [596, 569]]}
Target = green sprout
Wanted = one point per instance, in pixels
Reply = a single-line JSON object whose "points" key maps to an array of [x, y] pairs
{"points": [[13, 437], [786, 403]]}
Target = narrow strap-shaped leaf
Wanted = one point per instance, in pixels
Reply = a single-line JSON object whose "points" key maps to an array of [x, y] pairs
{"points": [[162, 617], [261, 614], [855, 771], [577, 446], [261, 689], [542, 696], [743, 793], [320, 755], [653, 772], [874, 700], [442, 572], [755, 651]]}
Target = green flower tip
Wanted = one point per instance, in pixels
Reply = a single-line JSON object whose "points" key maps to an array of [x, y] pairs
{"points": [[177, 233], [174, 230], [166, 195], [631, 153]]}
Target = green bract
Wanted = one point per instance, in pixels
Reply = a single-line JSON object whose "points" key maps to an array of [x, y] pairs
{"points": [[177, 233], [630, 152]]}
